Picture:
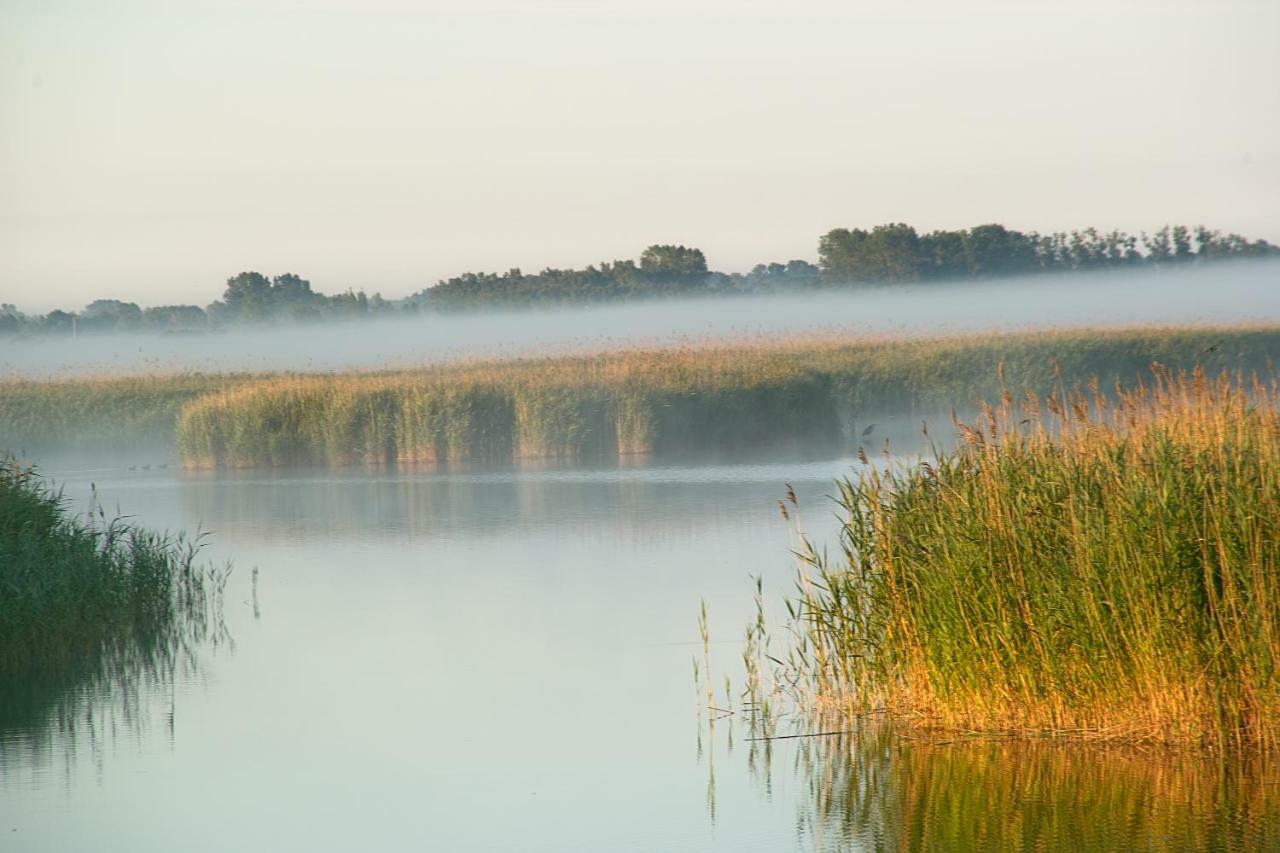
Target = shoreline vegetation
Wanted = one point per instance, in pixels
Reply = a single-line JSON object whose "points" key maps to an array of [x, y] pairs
{"points": [[1100, 567], [886, 255], [90, 604], [772, 394]]}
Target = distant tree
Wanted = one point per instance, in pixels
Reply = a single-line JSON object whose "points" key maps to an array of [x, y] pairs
{"points": [[291, 288], [993, 250], [839, 253], [942, 255], [678, 262], [11, 319], [793, 275], [58, 322], [1181, 236], [886, 253], [176, 318], [891, 253], [1159, 246], [248, 297], [108, 315], [380, 306]]}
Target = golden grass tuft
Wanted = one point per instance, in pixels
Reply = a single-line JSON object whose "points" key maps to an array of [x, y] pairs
{"points": [[1088, 565]]}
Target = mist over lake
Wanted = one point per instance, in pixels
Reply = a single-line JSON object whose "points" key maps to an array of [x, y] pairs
{"points": [[1226, 292]]}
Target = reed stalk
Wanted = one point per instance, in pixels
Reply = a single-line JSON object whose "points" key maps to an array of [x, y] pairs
{"points": [[1096, 565]]}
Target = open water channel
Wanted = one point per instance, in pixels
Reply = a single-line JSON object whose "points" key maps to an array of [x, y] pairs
{"points": [[501, 661]]}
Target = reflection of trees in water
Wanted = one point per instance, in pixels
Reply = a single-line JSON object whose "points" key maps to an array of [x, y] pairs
{"points": [[873, 789]]}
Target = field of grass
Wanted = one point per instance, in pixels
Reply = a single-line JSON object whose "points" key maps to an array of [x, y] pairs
{"points": [[1097, 566], [88, 601], [763, 394]]}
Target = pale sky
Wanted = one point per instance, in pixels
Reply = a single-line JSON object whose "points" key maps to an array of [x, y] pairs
{"points": [[149, 150]]}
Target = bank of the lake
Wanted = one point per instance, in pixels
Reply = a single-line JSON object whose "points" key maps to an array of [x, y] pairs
{"points": [[87, 600]]}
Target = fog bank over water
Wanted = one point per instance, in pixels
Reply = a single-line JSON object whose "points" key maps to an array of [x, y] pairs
{"points": [[1236, 292]]}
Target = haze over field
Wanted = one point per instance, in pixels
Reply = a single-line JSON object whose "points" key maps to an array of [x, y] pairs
{"points": [[1243, 291]]}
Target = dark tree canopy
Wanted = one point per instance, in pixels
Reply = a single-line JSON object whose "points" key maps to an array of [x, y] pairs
{"points": [[673, 262], [893, 253]]}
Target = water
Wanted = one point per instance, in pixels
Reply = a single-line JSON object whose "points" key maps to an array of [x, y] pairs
{"points": [[501, 660]]}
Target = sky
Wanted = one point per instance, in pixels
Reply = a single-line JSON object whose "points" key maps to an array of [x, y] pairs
{"points": [[150, 150]]}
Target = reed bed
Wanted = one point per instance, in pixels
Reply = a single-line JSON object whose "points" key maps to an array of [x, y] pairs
{"points": [[88, 600], [590, 407], [1083, 565], [664, 401], [97, 415]]}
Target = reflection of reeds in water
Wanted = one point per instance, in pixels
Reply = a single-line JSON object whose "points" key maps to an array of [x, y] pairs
{"points": [[93, 612], [874, 790], [1100, 567]]}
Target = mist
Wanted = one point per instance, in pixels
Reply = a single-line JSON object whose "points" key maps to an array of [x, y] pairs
{"points": [[1225, 292]]}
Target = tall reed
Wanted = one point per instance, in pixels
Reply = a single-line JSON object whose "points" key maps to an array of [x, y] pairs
{"points": [[666, 401], [1098, 565], [89, 601]]}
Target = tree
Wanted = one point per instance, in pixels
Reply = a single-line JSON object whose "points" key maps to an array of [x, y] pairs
{"points": [[58, 321], [887, 253], [674, 262], [839, 253], [176, 318], [111, 315], [942, 255], [248, 296], [1159, 246], [10, 319], [993, 250]]}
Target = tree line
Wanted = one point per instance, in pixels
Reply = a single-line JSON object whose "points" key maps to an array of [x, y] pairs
{"points": [[889, 254]]}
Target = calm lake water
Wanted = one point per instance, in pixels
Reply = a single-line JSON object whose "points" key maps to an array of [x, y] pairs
{"points": [[494, 661]]}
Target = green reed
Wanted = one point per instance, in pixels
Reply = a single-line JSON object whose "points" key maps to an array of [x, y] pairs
{"points": [[1102, 566], [89, 600], [97, 415]]}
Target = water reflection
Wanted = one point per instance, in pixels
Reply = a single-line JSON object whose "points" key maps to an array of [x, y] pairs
{"points": [[498, 660], [79, 704], [621, 505], [879, 789]]}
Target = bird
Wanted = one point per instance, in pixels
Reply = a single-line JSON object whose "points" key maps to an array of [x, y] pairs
{"points": [[866, 432]]}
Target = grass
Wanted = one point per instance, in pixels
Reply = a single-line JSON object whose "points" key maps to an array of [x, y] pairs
{"points": [[1087, 565], [88, 601], [663, 402], [767, 393], [97, 415]]}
